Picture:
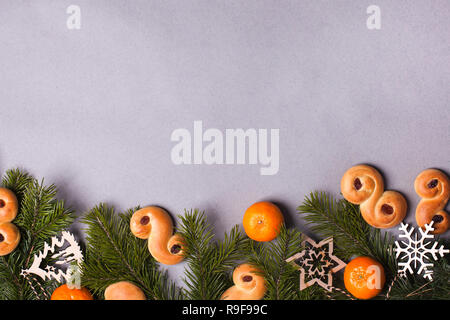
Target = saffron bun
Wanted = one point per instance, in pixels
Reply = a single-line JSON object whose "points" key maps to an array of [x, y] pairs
{"points": [[8, 205], [248, 284], [124, 290], [9, 238], [364, 185], [433, 186], [154, 223]]}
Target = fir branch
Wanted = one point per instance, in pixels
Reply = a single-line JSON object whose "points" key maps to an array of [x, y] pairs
{"points": [[282, 278], [114, 254], [11, 286], [209, 262]]}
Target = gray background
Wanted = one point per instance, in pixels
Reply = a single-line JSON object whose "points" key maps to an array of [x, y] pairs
{"points": [[92, 110]]}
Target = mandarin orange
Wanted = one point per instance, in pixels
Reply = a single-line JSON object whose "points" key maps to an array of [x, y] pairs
{"points": [[364, 277], [262, 221]]}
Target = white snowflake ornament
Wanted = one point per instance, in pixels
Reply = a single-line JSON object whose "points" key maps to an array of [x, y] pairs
{"points": [[416, 254]]}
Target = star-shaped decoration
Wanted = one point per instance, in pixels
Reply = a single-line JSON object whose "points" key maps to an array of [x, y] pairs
{"points": [[317, 263]]}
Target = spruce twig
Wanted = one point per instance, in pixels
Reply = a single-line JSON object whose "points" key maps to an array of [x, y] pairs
{"points": [[113, 254], [352, 235]]}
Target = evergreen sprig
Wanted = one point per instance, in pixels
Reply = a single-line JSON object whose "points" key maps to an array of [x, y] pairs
{"points": [[209, 262], [114, 254], [282, 279], [40, 217]]}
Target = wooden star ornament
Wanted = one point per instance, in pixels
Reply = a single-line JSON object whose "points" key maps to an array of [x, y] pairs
{"points": [[316, 263]]}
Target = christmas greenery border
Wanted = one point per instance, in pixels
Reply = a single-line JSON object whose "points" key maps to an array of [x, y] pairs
{"points": [[113, 254]]}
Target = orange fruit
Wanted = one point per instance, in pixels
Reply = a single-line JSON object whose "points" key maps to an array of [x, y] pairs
{"points": [[364, 277], [65, 293], [262, 221]]}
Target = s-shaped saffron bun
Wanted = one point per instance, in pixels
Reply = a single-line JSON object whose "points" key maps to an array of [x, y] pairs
{"points": [[124, 290], [364, 185], [433, 186], [155, 224], [9, 238], [248, 284]]}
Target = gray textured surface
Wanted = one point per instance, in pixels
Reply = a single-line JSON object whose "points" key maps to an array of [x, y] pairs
{"points": [[92, 110]]}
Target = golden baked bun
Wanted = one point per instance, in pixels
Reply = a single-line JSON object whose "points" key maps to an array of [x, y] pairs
{"points": [[9, 238], [8, 205], [248, 284], [124, 290], [364, 185], [155, 224], [433, 186]]}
